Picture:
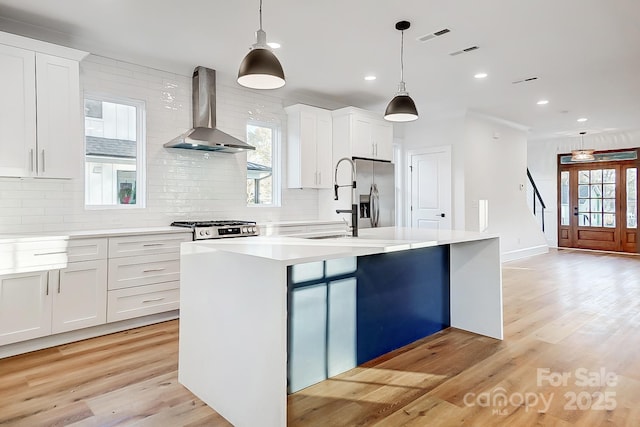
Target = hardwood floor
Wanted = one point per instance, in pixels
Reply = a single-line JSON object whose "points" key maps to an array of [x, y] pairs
{"points": [[570, 312]]}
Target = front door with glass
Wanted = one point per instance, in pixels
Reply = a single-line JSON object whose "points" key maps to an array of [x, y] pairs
{"points": [[597, 205]]}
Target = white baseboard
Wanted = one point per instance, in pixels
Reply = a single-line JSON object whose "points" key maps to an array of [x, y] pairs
{"points": [[83, 334], [524, 253]]}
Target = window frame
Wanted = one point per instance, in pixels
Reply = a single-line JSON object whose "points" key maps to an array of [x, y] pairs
{"points": [[141, 142], [276, 169]]}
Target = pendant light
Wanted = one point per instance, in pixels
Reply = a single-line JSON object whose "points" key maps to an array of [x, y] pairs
{"points": [[401, 108], [260, 69], [582, 155]]}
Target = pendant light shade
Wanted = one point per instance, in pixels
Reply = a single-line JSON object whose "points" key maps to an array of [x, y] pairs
{"points": [[401, 108], [583, 154], [260, 69]]}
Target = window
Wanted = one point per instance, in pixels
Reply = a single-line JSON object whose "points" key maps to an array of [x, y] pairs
{"points": [[632, 198], [263, 187], [597, 198], [114, 152], [564, 198]]}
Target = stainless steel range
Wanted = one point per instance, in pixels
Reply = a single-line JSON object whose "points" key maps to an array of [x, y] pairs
{"points": [[219, 229]]}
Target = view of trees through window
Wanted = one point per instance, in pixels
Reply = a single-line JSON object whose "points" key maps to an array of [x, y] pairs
{"points": [[260, 165]]}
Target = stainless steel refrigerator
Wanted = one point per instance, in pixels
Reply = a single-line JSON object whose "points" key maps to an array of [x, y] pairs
{"points": [[375, 193]]}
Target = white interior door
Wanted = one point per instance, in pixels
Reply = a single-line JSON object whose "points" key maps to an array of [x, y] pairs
{"points": [[430, 204]]}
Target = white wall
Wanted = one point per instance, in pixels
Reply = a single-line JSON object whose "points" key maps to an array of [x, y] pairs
{"points": [[489, 160], [496, 170], [448, 131], [181, 184], [543, 164]]}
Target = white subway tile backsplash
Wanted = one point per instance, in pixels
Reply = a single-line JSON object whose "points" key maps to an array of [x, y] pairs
{"points": [[180, 184]]}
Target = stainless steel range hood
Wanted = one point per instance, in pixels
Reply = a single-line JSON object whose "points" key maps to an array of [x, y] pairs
{"points": [[204, 136]]}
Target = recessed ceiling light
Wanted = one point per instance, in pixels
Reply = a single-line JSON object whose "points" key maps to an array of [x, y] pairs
{"points": [[370, 77], [274, 45], [480, 75], [582, 119], [543, 102]]}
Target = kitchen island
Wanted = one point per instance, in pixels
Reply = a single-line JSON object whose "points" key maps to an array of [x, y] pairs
{"points": [[247, 335]]}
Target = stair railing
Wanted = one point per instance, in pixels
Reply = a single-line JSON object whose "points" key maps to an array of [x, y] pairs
{"points": [[537, 197]]}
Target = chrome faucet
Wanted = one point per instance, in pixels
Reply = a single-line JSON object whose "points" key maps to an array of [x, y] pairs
{"points": [[354, 208]]}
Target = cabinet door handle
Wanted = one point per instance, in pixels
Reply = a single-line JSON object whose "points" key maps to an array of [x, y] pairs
{"points": [[319, 178], [31, 160], [151, 270], [148, 245], [47, 283], [152, 300], [43, 160], [50, 253]]}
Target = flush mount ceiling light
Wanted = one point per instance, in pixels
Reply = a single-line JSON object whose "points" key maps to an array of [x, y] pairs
{"points": [[543, 102], [583, 154], [370, 78], [480, 75], [260, 69], [401, 108], [582, 119]]}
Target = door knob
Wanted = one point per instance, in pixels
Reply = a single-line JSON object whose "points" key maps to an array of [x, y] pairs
{"points": [[441, 215]]}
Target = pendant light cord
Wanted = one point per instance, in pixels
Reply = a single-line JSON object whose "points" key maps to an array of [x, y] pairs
{"points": [[401, 55], [260, 11]]}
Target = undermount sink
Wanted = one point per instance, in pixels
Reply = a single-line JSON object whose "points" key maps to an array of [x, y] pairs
{"points": [[330, 236]]}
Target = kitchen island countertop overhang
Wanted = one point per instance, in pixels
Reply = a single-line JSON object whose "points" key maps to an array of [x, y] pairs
{"points": [[235, 296]]}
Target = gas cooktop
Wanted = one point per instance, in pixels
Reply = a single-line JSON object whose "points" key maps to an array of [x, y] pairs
{"points": [[219, 229]]}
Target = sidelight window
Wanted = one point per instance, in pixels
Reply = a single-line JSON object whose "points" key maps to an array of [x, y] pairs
{"points": [[564, 198], [632, 198]]}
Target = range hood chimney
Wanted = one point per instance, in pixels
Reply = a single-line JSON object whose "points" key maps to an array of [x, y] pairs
{"points": [[204, 136]]}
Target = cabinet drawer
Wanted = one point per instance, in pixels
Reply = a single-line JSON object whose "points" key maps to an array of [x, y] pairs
{"points": [[143, 270], [25, 256], [147, 245], [87, 249], [142, 300]]}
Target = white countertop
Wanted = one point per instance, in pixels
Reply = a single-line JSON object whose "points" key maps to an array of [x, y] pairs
{"points": [[293, 250], [82, 234]]}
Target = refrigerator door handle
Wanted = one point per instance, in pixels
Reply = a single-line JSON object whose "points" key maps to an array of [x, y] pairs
{"points": [[372, 206], [375, 205]]}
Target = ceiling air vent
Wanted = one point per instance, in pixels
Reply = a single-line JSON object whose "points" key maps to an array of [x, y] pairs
{"points": [[433, 35], [465, 50], [529, 79]]}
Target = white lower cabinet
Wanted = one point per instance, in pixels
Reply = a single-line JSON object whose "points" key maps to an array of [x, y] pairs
{"points": [[86, 282], [42, 303], [143, 270], [25, 306], [80, 296], [144, 274], [143, 300]]}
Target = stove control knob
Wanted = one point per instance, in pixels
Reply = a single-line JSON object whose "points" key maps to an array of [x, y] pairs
{"points": [[202, 232], [244, 229], [208, 232], [253, 229]]}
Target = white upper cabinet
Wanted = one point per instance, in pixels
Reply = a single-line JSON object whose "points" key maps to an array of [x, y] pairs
{"points": [[59, 130], [40, 80], [309, 142], [361, 133], [17, 111]]}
